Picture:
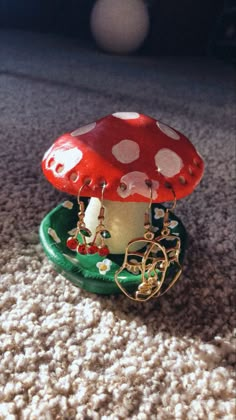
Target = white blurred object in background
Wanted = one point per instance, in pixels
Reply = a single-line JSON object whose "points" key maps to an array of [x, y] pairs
{"points": [[119, 26]]}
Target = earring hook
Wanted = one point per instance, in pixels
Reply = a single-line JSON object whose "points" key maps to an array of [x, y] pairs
{"points": [[165, 230], [103, 186], [169, 186], [147, 216], [148, 182], [174, 201], [101, 232], [72, 242], [87, 182]]}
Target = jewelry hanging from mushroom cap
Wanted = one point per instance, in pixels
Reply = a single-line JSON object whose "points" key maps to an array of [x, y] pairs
{"points": [[98, 244], [157, 260], [101, 233], [125, 148], [72, 242]]}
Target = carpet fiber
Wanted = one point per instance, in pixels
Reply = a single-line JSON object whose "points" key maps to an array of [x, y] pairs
{"points": [[68, 354]]}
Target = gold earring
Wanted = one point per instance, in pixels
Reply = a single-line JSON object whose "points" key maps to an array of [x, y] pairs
{"points": [[147, 219], [172, 244], [101, 234], [166, 223], [72, 242], [149, 263]]}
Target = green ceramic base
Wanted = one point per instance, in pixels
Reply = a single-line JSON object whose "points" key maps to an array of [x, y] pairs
{"points": [[93, 272]]}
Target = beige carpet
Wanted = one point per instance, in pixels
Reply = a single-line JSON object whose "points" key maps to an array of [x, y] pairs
{"points": [[67, 354]]}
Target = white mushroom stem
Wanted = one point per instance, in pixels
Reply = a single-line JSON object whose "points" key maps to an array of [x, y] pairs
{"points": [[125, 221]]}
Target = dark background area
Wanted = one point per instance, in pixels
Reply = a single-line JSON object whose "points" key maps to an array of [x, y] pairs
{"points": [[177, 27]]}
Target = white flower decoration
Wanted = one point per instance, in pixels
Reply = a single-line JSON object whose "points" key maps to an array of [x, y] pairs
{"points": [[73, 231], [173, 224], [104, 266], [68, 204], [158, 213]]}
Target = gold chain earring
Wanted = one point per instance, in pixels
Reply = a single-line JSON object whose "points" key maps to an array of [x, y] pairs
{"points": [[72, 242], [101, 233]]}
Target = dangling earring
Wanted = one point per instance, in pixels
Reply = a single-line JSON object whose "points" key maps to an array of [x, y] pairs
{"points": [[101, 233], [147, 222], [166, 223], [172, 251], [150, 262], [72, 242]]}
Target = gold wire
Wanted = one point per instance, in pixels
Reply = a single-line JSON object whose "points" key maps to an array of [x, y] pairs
{"points": [[102, 194], [101, 216], [102, 209], [81, 211], [81, 188], [165, 231], [124, 266], [151, 195], [165, 234]]}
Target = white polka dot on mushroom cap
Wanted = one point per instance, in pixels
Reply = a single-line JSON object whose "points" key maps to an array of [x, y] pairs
{"points": [[65, 160], [126, 151], [168, 162], [126, 115], [83, 130], [168, 131], [48, 152], [135, 183]]}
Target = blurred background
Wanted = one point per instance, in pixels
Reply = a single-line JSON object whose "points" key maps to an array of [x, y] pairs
{"points": [[203, 27]]}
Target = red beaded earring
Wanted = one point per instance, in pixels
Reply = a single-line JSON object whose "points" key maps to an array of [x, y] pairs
{"points": [[98, 245], [72, 242]]}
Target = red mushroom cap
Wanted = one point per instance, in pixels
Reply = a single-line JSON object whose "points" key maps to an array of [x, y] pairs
{"points": [[124, 150]]}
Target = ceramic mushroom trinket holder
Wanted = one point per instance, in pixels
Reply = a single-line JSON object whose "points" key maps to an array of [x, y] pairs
{"points": [[115, 235]]}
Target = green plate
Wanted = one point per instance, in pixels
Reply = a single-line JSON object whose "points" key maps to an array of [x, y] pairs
{"points": [[93, 272]]}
